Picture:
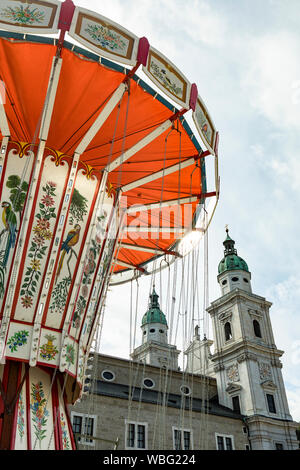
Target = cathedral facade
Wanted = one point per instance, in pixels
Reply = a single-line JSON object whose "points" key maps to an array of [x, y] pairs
{"points": [[230, 399]]}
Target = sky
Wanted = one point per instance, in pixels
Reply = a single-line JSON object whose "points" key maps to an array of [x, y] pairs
{"points": [[244, 57]]}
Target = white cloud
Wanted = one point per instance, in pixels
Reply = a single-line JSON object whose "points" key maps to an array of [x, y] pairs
{"points": [[284, 313], [272, 78], [293, 400]]}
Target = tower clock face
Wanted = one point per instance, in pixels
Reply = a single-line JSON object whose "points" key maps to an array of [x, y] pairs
{"points": [[264, 371], [233, 373]]}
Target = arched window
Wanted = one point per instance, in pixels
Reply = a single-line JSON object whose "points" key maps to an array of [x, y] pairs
{"points": [[228, 332], [256, 327]]}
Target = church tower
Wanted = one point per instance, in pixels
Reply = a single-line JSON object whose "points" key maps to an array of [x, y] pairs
{"points": [[155, 349], [246, 361]]}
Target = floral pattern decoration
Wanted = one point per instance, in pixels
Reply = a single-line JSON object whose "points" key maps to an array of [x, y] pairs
{"points": [[106, 38], [64, 432], [70, 354], [21, 420], [23, 15], [39, 412], [39, 244], [18, 339]]}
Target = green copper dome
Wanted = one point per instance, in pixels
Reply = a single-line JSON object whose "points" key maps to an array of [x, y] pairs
{"points": [[231, 260], [154, 314]]}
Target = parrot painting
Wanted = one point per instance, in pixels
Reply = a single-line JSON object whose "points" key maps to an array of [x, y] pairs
{"points": [[10, 223], [69, 242]]}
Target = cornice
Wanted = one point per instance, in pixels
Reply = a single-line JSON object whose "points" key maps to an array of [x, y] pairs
{"points": [[237, 294], [250, 349]]}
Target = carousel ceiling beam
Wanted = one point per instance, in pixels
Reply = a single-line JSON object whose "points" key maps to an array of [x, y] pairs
{"points": [[147, 249], [162, 204], [130, 266], [144, 229], [158, 174], [50, 98], [139, 145], [104, 114], [145, 141]]}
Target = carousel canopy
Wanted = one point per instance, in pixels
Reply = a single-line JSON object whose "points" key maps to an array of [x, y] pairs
{"points": [[80, 102]]}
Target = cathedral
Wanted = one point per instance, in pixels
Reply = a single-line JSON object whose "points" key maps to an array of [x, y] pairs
{"points": [[231, 395]]}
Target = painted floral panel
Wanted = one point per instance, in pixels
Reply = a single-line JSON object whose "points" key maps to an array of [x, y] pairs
{"points": [[39, 243], [27, 14], [42, 237], [17, 340], [39, 412], [104, 37], [71, 249]]}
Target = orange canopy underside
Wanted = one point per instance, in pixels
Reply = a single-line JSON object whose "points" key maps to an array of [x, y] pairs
{"points": [[84, 87]]}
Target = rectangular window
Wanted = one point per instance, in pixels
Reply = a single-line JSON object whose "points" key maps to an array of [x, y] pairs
{"points": [[77, 423], [182, 439], [224, 442], [177, 439], [278, 446], [236, 404], [89, 428], [83, 427], [228, 442], [136, 435], [271, 403], [130, 435], [186, 440], [141, 436], [220, 442]]}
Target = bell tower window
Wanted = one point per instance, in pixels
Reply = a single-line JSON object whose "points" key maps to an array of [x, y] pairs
{"points": [[256, 327], [271, 403], [228, 332]]}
